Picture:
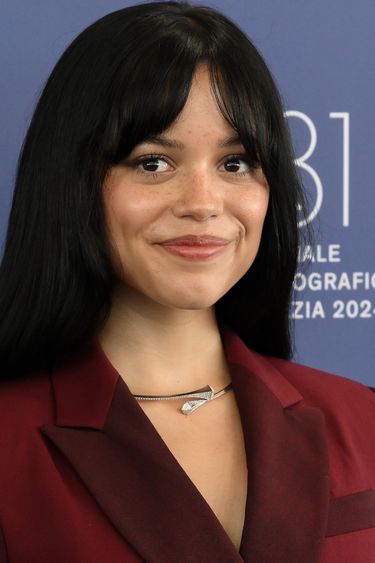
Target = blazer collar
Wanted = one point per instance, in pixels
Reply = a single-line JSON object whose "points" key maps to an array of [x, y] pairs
{"points": [[132, 474], [84, 384], [287, 457]]}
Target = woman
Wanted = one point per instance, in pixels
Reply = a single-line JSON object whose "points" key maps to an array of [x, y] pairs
{"points": [[149, 410]]}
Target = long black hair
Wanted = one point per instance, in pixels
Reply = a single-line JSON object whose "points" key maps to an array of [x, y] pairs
{"points": [[124, 78]]}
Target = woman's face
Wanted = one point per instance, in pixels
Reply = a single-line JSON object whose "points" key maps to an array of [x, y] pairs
{"points": [[184, 210]]}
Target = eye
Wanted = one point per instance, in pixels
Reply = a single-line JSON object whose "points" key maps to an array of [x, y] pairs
{"points": [[238, 165], [151, 164]]}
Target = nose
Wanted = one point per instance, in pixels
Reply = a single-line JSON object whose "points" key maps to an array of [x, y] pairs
{"points": [[199, 197]]}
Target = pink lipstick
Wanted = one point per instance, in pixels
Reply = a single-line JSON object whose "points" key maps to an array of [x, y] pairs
{"points": [[195, 247]]}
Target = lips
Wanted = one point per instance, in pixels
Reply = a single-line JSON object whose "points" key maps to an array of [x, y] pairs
{"points": [[196, 248], [196, 240]]}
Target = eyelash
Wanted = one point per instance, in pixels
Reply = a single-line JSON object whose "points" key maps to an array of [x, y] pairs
{"points": [[138, 161], [146, 158]]}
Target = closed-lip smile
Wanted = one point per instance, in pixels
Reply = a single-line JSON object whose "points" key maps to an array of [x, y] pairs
{"points": [[196, 240], [195, 247]]}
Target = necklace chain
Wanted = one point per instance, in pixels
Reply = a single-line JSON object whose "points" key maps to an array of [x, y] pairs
{"points": [[201, 397]]}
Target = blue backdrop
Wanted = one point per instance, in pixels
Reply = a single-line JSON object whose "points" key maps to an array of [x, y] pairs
{"points": [[322, 56]]}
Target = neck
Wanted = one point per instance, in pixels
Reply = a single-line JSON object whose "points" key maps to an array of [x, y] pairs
{"points": [[163, 351]]}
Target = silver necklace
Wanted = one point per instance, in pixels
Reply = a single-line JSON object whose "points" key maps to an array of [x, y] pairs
{"points": [[202, 396]]}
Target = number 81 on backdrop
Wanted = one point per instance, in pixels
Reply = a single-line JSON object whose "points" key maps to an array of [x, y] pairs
{"points": [[302, 163]]}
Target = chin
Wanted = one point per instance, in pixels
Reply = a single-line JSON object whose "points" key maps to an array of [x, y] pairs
{"points": [[191, 300]]}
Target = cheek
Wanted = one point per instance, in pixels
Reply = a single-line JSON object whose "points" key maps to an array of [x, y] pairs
{"points": [[127, 215], [252, 211]]}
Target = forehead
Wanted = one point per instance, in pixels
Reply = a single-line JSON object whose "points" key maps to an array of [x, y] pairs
{"points": [[201, 114], [185, 107]]}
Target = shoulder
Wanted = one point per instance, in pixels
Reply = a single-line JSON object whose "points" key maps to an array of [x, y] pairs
{"points": [[324, 388], [28, 397], [26, 404], [349, 413], [347, 405], [291, 381]]}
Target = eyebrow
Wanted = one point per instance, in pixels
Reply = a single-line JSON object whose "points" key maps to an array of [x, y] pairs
{"points": [[174, 144]]}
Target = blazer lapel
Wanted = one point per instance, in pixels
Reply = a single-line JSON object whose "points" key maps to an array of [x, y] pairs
{"points": [[139, 485], [118, 454], [287, 457]]}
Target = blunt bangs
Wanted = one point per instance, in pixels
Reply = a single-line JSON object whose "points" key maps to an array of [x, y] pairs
{"points": [[150, 91]]}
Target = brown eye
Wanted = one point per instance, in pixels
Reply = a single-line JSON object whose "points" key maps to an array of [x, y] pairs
{"points": [[152, 164], [237, 165]]}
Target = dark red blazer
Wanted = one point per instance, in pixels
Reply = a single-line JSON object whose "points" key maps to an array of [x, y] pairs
{"points": [[86, 478]]}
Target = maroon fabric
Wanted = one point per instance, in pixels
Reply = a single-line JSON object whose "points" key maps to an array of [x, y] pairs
{"points": [[351, 513], [86, 477], [3, 551]]}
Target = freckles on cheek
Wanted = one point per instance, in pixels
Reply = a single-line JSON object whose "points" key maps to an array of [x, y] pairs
{"points": [[251, 218], [255, 205]]}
